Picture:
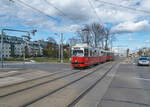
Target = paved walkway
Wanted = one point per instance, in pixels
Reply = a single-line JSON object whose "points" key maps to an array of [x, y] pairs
{"points": [[130, 88]]}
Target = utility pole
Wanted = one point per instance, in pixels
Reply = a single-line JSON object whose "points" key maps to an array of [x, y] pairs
{"points": [[2, 57], [60, 52], [87, 35], [59, 46], [62, 57]]}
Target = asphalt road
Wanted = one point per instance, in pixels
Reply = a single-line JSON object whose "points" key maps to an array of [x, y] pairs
{"points": [[59, 99], [127, 85], [52, 67]]}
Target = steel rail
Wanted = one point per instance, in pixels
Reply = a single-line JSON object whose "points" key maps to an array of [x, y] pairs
{"points": [[29, 80], [58, 89], [74, 102], [36, 85]]}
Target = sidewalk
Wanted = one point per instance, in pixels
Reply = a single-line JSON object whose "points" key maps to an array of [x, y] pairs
{"points": [[128, 89]]}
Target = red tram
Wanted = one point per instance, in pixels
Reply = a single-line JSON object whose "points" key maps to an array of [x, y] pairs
{"points": [[84, 55]]}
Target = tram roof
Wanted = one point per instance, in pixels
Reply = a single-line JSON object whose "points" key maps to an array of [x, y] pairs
{"points": [[108, 51], [85, 45], [82, 45]]}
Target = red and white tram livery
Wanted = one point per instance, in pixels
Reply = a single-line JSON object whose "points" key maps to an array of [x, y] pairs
{"points": [[84, 55]]}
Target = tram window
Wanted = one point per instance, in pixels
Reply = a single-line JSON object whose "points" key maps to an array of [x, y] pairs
{"points": [[77, 53], [95, 53], [99, 54], [102, 53], [110, 54], [91, 53], [107, 54], [86, 52]]}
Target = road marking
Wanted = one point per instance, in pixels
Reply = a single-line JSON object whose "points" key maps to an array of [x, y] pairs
{"points": [[142, 79]]}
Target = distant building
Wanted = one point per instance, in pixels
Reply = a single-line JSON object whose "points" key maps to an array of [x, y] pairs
{"points": [[36, 48], [19, 49], [6, 50], [13, 46], [16, 47]]}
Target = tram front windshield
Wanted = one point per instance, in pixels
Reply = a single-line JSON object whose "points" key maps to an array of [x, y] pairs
{"points": [[77, 53]]}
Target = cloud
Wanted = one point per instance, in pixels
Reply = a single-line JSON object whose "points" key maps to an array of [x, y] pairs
{"points": [[131, 39], [147, 41], [128, 27], [66, 28], [74, 13]]}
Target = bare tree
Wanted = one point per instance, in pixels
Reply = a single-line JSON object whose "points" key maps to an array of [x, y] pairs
{"points": [[51, 40], [72, 41], [84, 34], [98, 33]]}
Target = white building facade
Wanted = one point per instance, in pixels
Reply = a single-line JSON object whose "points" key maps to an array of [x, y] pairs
{"points": [[12, 46], [17, 47], [6, 50]]}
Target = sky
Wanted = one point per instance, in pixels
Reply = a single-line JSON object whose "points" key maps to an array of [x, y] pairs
{"points": [[131, 26]]}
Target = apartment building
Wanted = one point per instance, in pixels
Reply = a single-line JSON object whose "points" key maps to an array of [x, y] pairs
{"points": [[36, 48], [16, 47], [6, 50], [12, 46]]}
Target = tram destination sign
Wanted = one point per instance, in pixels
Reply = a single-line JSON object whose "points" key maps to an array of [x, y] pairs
{"points": [[77, 48]]}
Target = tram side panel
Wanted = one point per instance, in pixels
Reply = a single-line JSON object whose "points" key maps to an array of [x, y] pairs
{"points": [[78, 62], [112, 58], [108, 58]]}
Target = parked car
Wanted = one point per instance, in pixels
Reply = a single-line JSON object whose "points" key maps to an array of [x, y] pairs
{"points": [[144, 61]]}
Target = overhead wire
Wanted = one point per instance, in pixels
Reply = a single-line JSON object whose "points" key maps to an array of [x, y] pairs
{"points": [[38, 10], [47, 15], [60, 11], [92, 6], [126, 7]]}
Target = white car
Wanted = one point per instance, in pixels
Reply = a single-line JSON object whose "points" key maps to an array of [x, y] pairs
{"points": [[144, 61]]}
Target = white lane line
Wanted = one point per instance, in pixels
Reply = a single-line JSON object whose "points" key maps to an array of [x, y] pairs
{"points": [[142, 79]]}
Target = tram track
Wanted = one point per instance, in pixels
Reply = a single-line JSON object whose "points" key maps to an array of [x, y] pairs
{"points": [[60, 88], [26, 81], [74, 102], [17, 90], [16, 74], [36, 85]]}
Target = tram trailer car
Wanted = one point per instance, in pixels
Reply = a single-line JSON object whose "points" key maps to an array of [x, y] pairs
{"points": [[84, 55], [109, 55]]}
